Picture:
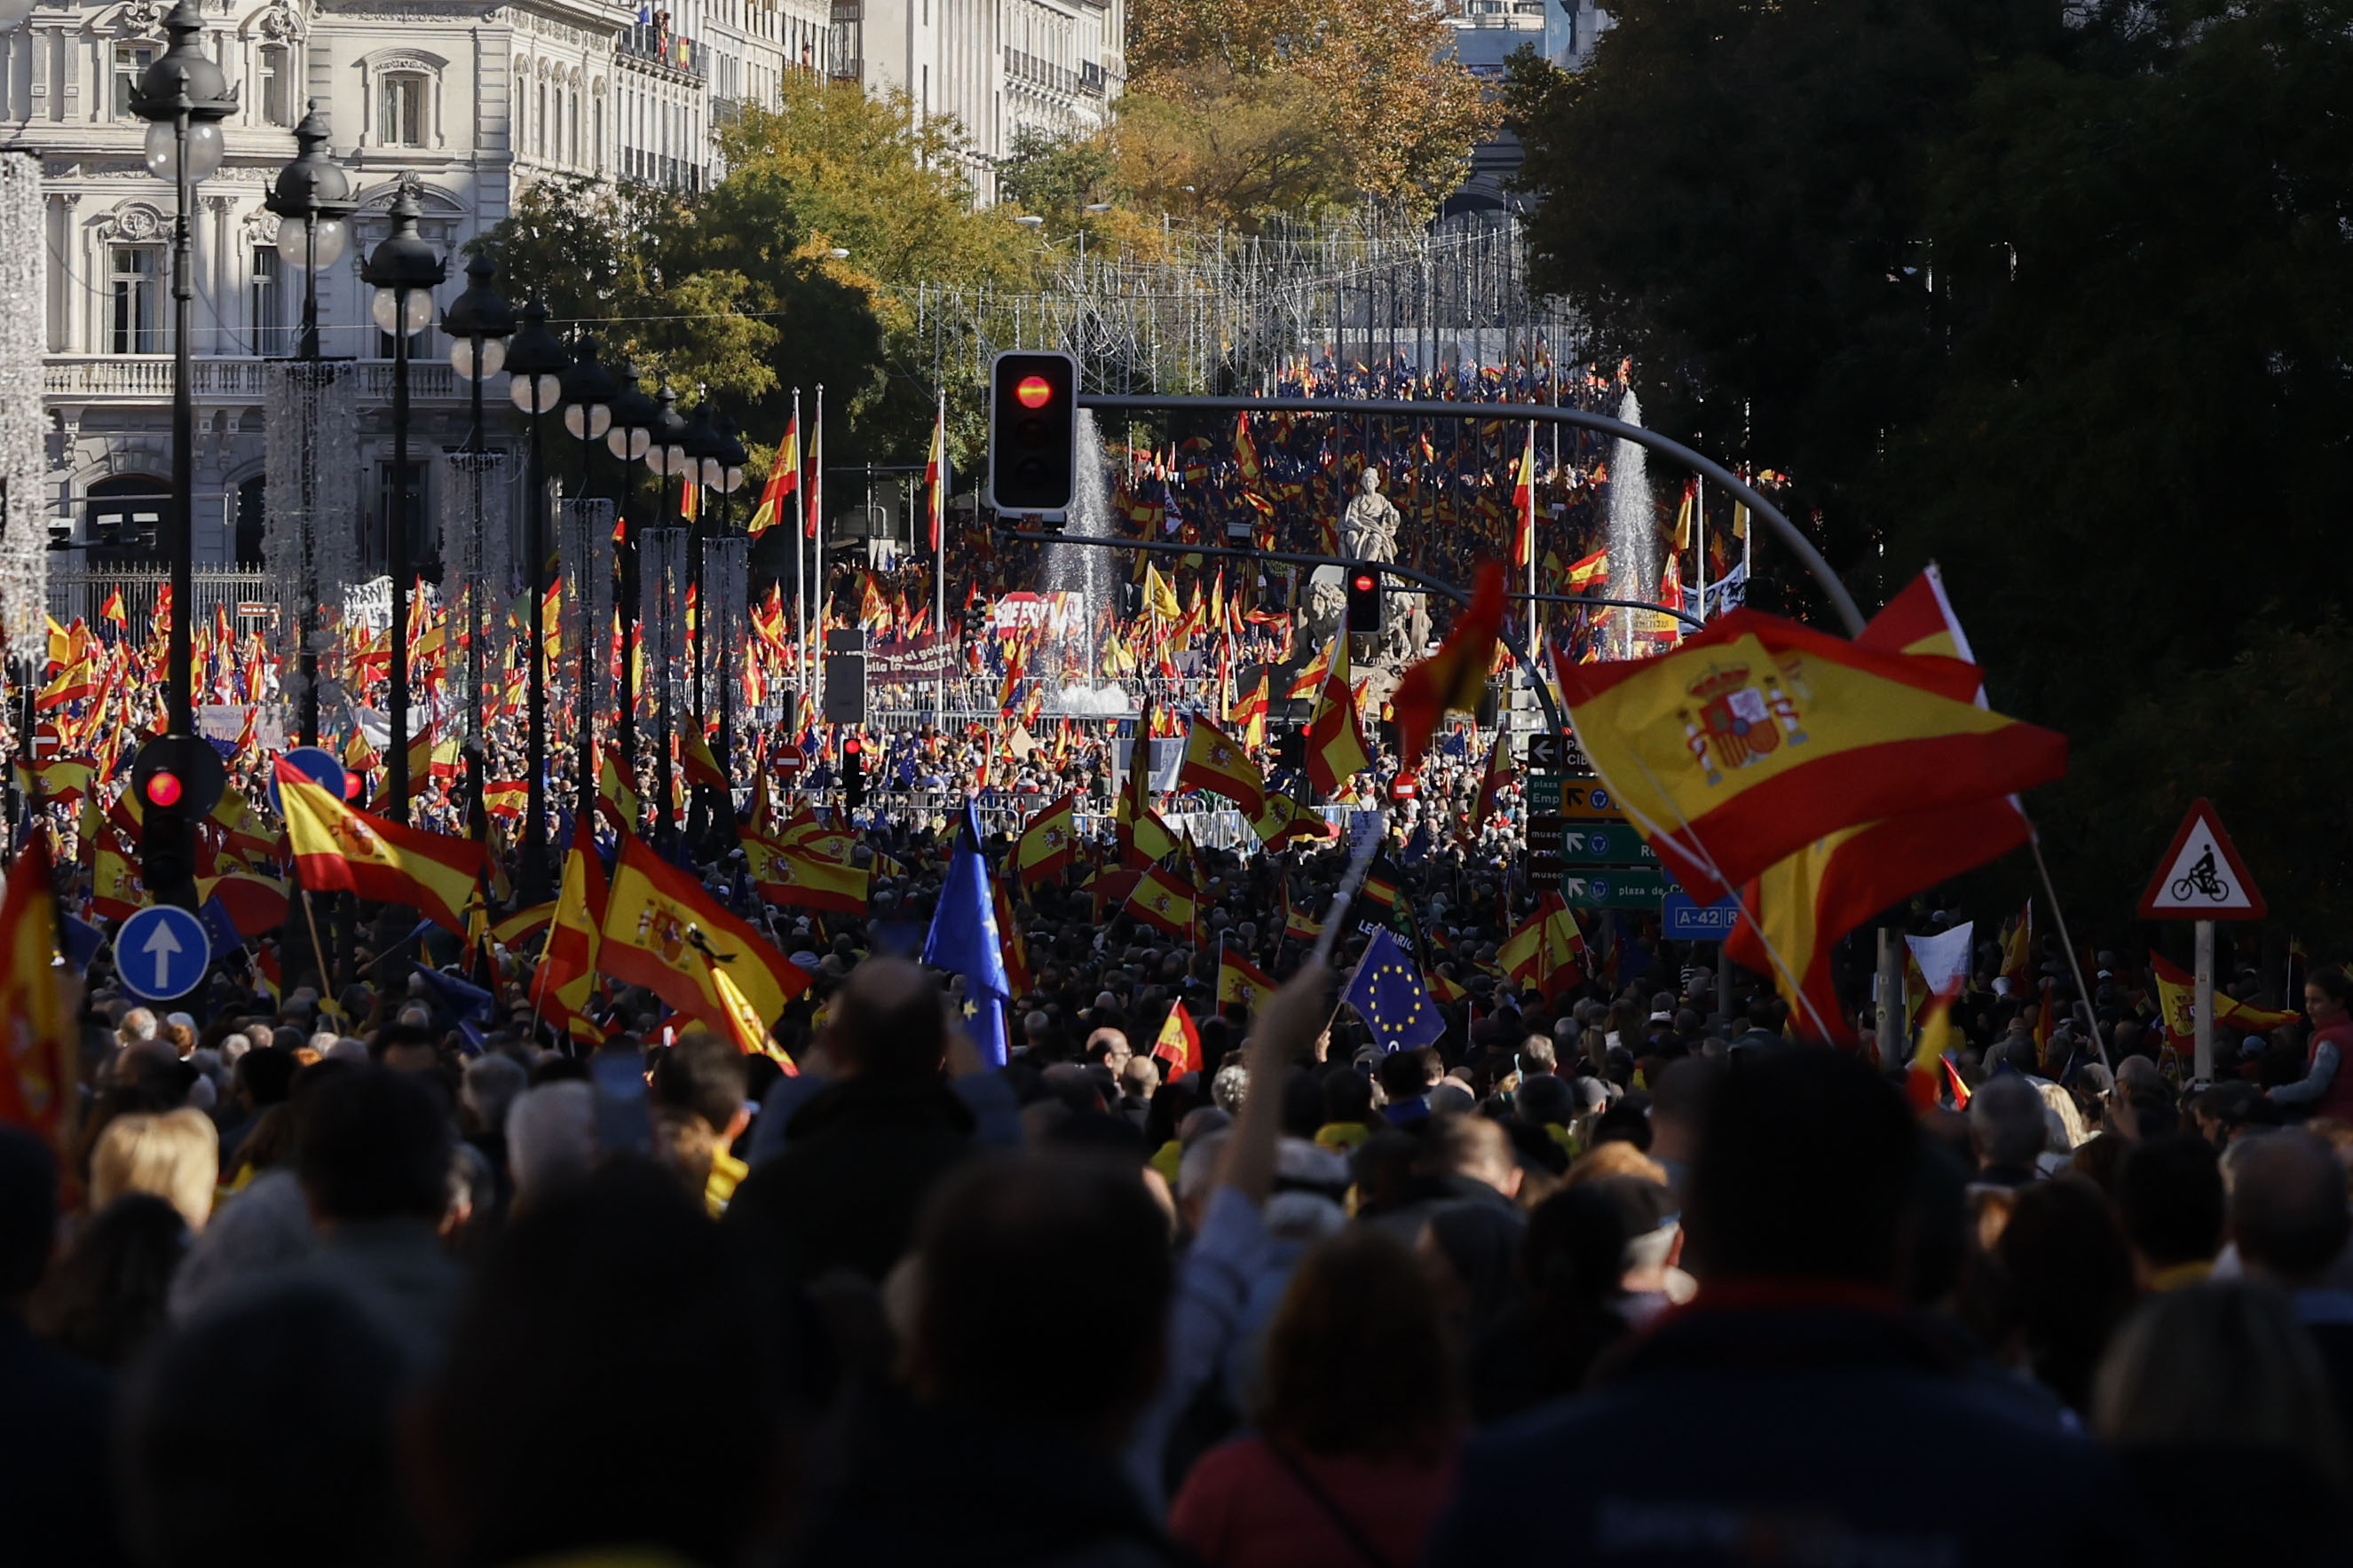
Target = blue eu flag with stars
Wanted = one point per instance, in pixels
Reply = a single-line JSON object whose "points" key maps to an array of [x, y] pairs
{"points": [[1388, 993]]}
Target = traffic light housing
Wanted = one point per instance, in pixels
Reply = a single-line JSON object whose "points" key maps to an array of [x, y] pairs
{"points": [[853, 772], [1364, 601], [176, 780], [1033, 431]]}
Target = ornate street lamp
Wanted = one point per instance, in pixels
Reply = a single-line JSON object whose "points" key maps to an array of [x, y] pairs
{"points": [[404, 273], [479, 322], [666, 454], [588, 393], [310, 530], [184, 98], [313, 194], [627, 436], [537, 370]]}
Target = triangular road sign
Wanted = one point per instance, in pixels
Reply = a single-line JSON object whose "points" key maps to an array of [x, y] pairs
{"points": [[2201, 876]]}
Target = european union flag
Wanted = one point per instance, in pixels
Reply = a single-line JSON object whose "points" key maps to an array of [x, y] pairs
{"points": [[964, 941], [218, 926], [1388, 993]]}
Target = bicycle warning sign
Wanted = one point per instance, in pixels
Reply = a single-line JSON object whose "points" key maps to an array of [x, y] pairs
{"points": [[2201, 878]]}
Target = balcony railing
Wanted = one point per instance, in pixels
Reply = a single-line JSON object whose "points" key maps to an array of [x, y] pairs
{"points": [[662, 47], [145, 378]]}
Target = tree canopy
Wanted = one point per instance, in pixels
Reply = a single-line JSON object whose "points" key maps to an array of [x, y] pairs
{"points": [[2058, 305]]}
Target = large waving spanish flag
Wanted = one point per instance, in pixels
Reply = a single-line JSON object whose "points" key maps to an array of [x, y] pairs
{"points": [[786, 875], [1046, 844], [1454, 678], [337, 847], [1216, 763], [1795, 910], [39, 1045], [1336, 743], [1758, 736], [568, 965], [663, 932]]}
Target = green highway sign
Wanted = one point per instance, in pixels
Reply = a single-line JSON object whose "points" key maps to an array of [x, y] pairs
{"points": [[1593, 842], [1615, 889]]}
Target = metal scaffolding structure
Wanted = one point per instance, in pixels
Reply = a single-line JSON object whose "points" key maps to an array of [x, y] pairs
{"points": [[1222, 313]]}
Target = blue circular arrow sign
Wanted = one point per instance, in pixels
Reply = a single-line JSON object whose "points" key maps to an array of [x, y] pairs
{"points": [[162, 952], [319, 763]]}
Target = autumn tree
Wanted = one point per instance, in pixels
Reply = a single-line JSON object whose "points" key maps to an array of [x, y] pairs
{"points": [[1295, 107]]}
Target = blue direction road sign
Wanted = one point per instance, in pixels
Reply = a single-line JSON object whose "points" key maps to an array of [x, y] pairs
{"points": [[1614, 890], [162, 952], [320, 763], [1684, 920], [1585, 841]]}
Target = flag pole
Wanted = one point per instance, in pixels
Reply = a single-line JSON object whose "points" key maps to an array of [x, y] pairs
{"points": [[940, 568], [800, 565]]}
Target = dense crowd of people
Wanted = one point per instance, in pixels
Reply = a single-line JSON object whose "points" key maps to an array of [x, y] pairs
{"points": [[1613, 1270]]}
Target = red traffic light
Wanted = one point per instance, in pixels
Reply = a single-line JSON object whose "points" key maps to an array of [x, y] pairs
{"points": [[163, 789], [1033, 392], [849, 747], [353, 784], [1364, 581]]}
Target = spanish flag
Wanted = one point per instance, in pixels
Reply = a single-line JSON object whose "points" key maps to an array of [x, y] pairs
{"points": [[1214, 762], [1592, 574], [1248, 715], [1758, 736], [1179, 1043], [336, 846], [1524, 503], [663, 932], [2018, 950], [616, 792], [115, 891], [784, 478], [567, 965], [1161, 900], [1045, 845], [522, 923], [700, 765], [1310, 681], [1143, 836], [1246, 462], [1547, 950], [2177, 992], [1454, 678], [1336, 743], [113, 610], [1285, 822], [1242, 982], [39, 1042], [1011, 941], [1798, 908], [804, 880]]}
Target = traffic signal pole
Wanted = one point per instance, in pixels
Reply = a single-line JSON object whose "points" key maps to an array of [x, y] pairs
{"points": [[1764, 510]]}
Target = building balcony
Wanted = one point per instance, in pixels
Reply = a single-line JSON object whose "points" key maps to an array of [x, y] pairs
{"points": [[147, 378], [660, 46]]}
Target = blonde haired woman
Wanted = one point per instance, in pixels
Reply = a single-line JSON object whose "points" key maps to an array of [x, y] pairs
{"points": [[174, 1156]]}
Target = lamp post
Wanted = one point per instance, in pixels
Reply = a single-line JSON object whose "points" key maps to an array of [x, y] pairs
{"points": [[723, 470], [314, 191], [184, 98], [537, 369], [667, 456], [311, 201], [479, 322], [701, 445], [630, 433], [588, 393], [404, 271]]}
